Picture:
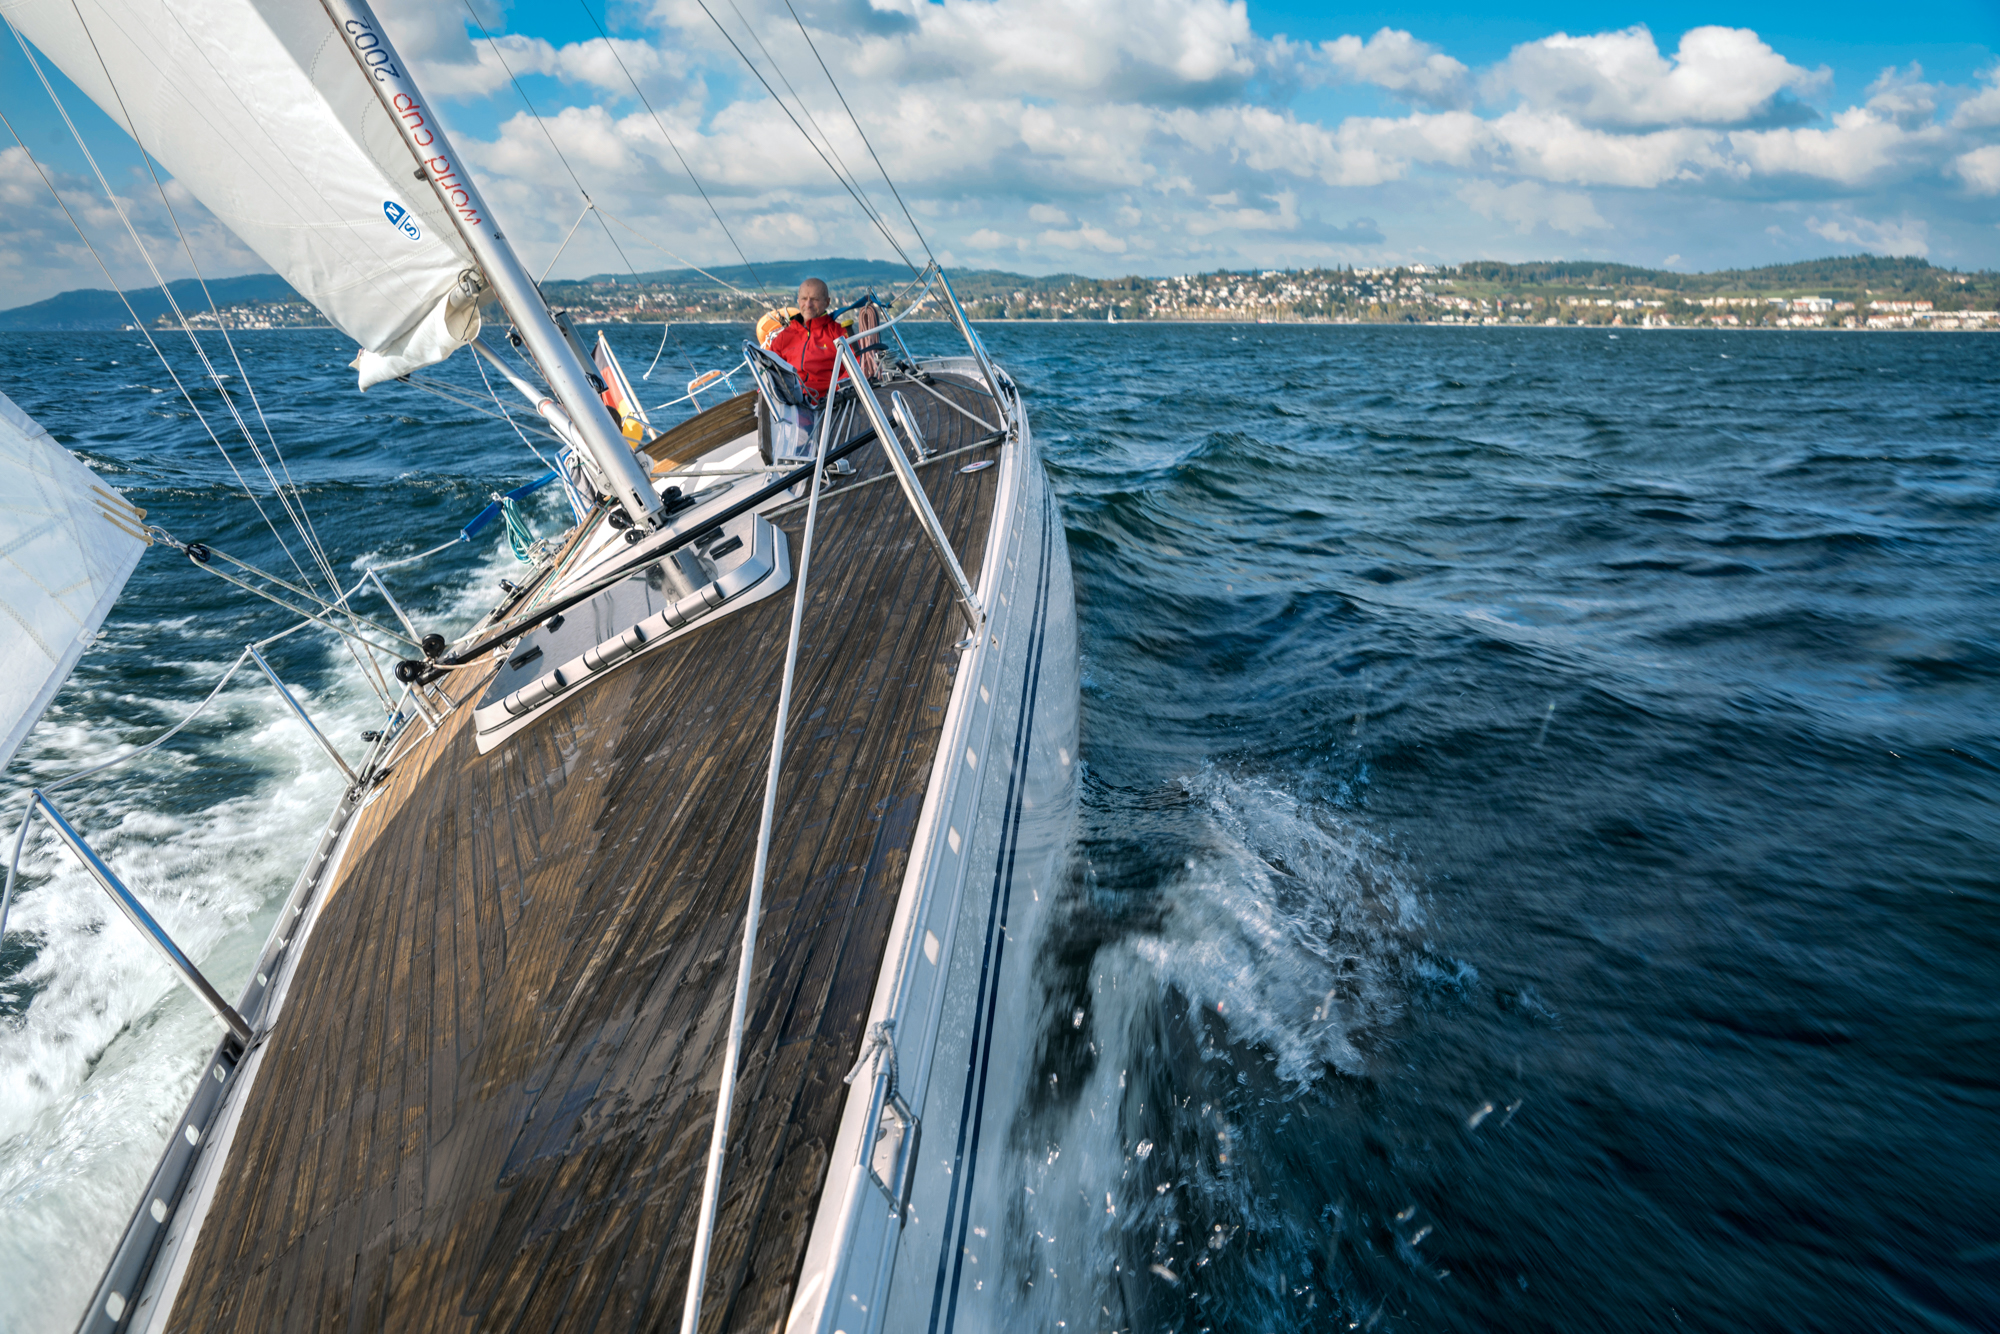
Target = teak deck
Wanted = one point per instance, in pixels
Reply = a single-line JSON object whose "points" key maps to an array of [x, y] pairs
{"points": [[487, 1100]]}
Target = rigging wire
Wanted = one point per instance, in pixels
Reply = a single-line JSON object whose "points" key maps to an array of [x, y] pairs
{"points": [[868, 211], [712, 277], [471, 403], [508, 417], [874, 213], [565, 244], [589, 205], [661, 351], [539, 123], [610, 46], [139, 323], [856, 122], [307, 533], [569, 486], [295, 507]]}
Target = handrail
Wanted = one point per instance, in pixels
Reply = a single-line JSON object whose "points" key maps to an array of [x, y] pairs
{"points": [[986, 369], [202, 561], [718, 1141], [251, 652], [293, 704], [968, 601], [139, 917], [847, 364]]}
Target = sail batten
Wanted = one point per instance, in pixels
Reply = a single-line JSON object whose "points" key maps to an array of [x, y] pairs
{"points": [[257, 109], [70, 544]]}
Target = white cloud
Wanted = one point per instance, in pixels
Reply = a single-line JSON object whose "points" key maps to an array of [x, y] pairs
{"points": [[1717, 77], [1861, 145], [42, 253], [1268, 141], [1979, 169], [1555, 148], [1548, 146], [1225, 215], [1982, 109], [1062, 132], [1414, 70], [1903, 97], [593, 63], [1068, 51], [1528, 205], [1085, 238], [1905, 236]]}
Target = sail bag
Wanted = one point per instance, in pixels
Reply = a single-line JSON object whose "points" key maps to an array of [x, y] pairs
{"points": [[68, 542], [258, 108]]}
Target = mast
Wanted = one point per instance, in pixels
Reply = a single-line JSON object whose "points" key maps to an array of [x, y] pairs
{"points": [[569, 379]]}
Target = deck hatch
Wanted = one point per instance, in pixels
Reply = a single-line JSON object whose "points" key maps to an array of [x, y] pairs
{"points": [[748, 561]]}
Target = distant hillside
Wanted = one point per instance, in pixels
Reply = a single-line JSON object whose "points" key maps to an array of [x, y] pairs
{"points": [[96, 308], [784, 275], [1335, 293], [1845, 273], [773, 274]]}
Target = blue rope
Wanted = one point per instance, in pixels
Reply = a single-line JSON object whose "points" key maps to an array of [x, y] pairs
{"points": [[519, 535]]}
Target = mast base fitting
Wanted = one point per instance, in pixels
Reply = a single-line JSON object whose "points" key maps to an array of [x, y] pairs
{"points": [[417, 672], [618, 518], [636, 535]]}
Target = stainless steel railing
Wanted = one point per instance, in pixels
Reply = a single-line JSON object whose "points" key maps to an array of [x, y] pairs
{"points": [[136, 913], [409, 706], [846, 364]]}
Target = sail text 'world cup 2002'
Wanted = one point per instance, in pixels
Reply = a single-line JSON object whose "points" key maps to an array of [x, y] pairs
{"points": [[438, 168], [373, 55]]}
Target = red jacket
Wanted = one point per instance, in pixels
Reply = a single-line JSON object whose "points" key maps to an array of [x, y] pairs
{"points": [[809, 347]]}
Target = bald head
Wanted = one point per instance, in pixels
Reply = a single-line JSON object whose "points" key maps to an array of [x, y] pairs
{"points": [[813, 298]]}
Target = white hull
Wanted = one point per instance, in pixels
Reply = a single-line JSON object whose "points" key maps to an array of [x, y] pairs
{"points": [[957, 975]]}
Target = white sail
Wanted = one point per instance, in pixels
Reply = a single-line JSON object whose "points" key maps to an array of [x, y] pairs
{"points": [[258, 108], [68, 542]]}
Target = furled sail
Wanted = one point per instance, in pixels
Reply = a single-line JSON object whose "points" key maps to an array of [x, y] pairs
{"points": [[258, 108], [67, 544]]}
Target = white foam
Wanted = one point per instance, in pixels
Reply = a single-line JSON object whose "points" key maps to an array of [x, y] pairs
{"points": [[1294, 926], [100, 1065]]}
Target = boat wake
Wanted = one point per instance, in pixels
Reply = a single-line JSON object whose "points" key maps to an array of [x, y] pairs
{"points": [[1278, 950], [1297, 930], [101, 1046]]}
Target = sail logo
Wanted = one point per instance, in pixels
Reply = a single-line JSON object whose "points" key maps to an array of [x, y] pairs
{"points": [[401, 219]]}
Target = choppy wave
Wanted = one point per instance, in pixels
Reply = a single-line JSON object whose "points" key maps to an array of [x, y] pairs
{"points": [[101, 1044], [1538, 856], [1590, 697], [1281, 949]]}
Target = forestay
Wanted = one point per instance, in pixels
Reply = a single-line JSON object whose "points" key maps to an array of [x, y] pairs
{"points": [[71, 542], [258, 109]]}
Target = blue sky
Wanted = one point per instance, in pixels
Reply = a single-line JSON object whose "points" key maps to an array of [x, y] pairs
{"points": [[1167, 136]]}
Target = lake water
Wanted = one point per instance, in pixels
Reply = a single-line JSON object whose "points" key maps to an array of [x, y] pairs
{"points": [[1538, 856]]}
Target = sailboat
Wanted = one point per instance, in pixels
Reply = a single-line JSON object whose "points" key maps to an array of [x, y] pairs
{"points": [[664, 961]]}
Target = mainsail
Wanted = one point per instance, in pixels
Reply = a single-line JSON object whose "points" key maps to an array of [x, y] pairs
{"points": [[258, 109], [70, 543]]}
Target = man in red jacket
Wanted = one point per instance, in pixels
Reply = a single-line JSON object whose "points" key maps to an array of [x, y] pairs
{"points": [[807, 341]]}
